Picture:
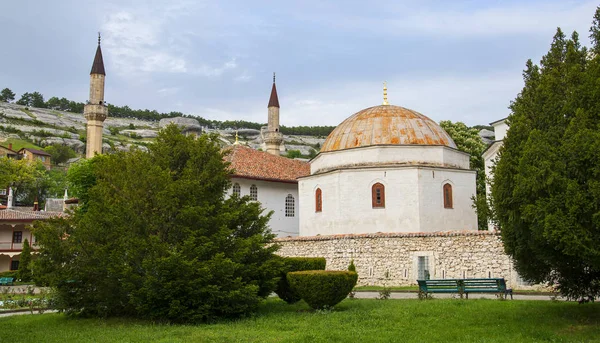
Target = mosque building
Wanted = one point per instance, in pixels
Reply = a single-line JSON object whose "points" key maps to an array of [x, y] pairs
{"points": [[387, 169]]}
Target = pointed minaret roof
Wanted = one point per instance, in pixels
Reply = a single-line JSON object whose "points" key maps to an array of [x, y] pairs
{"points": [[98, 66], [274, 100]]}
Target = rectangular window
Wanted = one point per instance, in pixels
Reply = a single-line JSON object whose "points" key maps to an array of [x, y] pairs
{"points": [[14, 265], [2, 191], [17, 236], [423, 268]]}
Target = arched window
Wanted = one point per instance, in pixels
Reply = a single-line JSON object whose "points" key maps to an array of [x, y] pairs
{"points": [[318, 200], [447, 195], [254, 192], [236, 189], [290, 206], [378, 195]]}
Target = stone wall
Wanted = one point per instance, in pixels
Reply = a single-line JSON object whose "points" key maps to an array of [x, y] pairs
{"points": [[393, 258]]}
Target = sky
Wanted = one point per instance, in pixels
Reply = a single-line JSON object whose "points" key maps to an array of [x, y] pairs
{"points": [[450, 60]]}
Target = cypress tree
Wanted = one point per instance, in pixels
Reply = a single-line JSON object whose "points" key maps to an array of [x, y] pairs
{"points": [[24, 272], [546, 189]]}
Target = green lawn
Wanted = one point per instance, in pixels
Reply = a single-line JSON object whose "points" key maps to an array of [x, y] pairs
{"points": [[18, 144], [438, 320]]}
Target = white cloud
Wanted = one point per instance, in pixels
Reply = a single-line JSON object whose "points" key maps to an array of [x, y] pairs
{"points": [[144, 39]]}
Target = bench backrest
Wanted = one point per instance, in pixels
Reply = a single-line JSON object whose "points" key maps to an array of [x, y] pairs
{"points": [[484, 284], [443, 284]]}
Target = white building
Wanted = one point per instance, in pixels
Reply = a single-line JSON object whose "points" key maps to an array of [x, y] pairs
{"points": [[490, 155], [270, 180], [387, 169]]}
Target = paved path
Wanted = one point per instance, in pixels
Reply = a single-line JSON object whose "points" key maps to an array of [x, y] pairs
{"points": [[414, 295]]}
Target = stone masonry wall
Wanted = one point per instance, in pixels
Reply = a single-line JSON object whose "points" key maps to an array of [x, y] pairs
{"points": [[392, 258]]}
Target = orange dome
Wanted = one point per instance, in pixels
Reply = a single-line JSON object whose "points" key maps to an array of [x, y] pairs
{"points": [[386, 124]]}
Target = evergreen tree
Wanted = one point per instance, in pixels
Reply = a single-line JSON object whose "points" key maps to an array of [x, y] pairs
{"points": [[546, 189], [24, 272], [6, 95], [158, 239]]}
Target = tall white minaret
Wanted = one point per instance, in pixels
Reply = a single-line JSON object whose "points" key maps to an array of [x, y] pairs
{"points": [[96, 111], [273, 138]]}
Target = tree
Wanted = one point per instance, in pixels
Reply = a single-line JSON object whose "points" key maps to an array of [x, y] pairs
{"points": [[60, 153], [24, 272], [546, 188], [25, 99], [37, 100], [158, 239], [293, 154], [6, 95], [467, 140]]}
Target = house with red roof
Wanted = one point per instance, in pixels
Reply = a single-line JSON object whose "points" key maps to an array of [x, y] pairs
{"points": [[271, 180], [15, 227]]}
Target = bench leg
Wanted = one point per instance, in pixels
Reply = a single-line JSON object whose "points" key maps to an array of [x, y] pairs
{"points": [[467, 296]]}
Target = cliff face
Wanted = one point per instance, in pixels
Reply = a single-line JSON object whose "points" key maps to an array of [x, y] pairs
{"points": [[42, 127]]}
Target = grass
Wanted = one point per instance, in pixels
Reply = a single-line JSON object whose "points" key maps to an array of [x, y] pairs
{"points": [[18, 144], [439, 320], [29, 113]]}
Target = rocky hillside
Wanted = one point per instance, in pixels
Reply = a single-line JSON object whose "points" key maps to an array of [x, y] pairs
{"points": [[40, 127]]}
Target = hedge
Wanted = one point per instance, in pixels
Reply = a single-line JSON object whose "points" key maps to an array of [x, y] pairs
{"points": [[293, 264], [322, 288]]}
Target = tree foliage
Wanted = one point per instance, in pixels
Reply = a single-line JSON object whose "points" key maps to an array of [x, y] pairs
{"points": [[24, 272], [7, 95], [158, 239], [60, 153], [30, 179], [467, 140], [546, 188]]}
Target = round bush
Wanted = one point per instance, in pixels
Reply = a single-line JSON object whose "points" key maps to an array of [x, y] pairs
{"points": [[293, 264], [322, 288]]}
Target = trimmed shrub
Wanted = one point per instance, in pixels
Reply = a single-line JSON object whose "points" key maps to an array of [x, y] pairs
{"points": [[322, 288], [294, 264], [352, 267]]}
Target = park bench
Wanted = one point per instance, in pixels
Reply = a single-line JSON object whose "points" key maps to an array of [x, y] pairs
{"points": [[497, 286], [465, 286], [439, 286], [5, 281]]}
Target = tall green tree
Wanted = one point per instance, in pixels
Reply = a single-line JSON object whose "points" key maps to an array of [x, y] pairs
{"points": [[60, 153], [467, 140], [24, 271], [6, 95], [158, 238], [546, 189]]}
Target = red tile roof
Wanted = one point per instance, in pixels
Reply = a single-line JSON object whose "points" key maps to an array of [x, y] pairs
{"points": [[12, 215], [254, 164]]}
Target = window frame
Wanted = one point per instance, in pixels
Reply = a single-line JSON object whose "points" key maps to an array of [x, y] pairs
{"points": [[290, 206], [254, 193], [374, 198], [17, 237], [318, 200], [448, 196], [236, 189]]}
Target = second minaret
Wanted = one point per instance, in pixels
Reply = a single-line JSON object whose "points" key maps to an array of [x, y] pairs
{"points": [[96, 111]]}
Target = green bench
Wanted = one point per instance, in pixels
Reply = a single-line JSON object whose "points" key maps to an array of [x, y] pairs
{"points": [[439, 286], [5, 281], [497, 286], [465, 286]]}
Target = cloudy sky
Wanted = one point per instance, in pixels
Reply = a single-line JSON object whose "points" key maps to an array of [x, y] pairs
{"points": [[450, 60]]}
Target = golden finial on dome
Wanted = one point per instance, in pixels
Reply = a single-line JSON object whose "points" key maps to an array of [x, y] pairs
{"points": [[385, 101], [237, 142]]}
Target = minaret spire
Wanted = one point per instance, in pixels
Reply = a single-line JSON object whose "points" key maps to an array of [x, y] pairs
{"points": [[95, 111], [385, 100], [272, 137]]}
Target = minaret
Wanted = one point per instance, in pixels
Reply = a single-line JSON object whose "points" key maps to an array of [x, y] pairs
{"points": [[95, 111], [385, 101], [273, 138]]}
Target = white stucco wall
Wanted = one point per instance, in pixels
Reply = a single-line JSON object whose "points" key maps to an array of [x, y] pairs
{"points": [[413, 201], [390, 154], [272, 196], [500, 129], [489, 159]]}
